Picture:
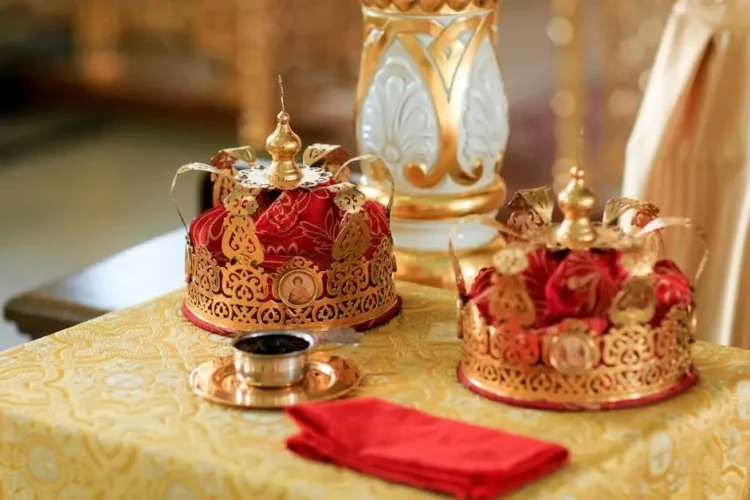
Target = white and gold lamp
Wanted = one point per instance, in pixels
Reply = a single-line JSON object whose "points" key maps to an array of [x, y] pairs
{"points": [[431, 103]]}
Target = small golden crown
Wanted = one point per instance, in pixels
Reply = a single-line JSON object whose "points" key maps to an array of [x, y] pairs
{"points": [[288, 245], [580, 314]]}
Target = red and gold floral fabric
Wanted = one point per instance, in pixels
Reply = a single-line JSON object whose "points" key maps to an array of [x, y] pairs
{"points": [[582, 285], [300, 222]]}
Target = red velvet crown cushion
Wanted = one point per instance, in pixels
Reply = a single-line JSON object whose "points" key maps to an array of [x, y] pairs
{"points": [[582, 285], [300, 222]]}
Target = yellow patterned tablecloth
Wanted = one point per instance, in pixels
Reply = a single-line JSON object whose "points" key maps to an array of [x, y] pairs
{"points": [[103, 410]]}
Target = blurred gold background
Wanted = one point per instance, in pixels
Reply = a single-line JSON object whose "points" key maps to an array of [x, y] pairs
{"points": [[100, 101]]}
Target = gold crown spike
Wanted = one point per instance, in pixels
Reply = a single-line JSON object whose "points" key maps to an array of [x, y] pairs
{"points": [[283, 145]]}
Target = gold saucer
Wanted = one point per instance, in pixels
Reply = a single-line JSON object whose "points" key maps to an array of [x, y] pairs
{"points": [[328, 377]]}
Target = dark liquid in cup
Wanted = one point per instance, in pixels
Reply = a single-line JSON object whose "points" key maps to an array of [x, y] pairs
{"points": [[272, 344]]}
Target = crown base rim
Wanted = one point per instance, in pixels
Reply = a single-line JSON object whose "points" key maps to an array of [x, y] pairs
{"points": [[603, 403], [209, 325]]}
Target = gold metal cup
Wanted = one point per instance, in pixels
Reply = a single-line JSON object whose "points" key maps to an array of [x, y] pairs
{"points": [[272, 370]]}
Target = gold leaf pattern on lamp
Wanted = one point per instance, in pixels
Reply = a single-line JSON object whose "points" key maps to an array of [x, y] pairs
{"points": [[447, 58]]}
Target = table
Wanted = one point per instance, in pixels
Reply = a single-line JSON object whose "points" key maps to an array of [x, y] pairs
{"points": [[103, 410], [125, 279]]}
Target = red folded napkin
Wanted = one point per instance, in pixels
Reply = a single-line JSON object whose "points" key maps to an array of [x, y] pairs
{"points": [[411, 447]]}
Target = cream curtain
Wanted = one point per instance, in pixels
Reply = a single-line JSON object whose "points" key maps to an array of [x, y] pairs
{"points": [[688, 154]]}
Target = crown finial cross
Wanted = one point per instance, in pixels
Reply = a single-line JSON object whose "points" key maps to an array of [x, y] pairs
{"points": [[283, 145], [577, 201], [281, 94]]}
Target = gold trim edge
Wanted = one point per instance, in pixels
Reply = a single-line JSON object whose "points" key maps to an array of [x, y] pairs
{"points": [[478, 383], [231, 326], [435, 207], [430, 7], [436, 268], [636, 360]]}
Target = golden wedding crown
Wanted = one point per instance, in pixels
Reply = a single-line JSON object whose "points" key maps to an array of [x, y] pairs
{"points": [[633, 350], [289, 245]]}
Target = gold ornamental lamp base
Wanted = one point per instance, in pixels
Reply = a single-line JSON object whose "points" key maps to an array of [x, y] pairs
{"points": [[435, 268], [422, 224], [431, 104]]}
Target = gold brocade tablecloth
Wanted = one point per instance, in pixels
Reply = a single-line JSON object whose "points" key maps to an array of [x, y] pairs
{"points": [[103, 410]]}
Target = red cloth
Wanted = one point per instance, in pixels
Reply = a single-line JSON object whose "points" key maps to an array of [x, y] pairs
{"points": [[407, 446]]}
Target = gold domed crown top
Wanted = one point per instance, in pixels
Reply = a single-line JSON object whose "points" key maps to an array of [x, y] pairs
{"points": [[283, 145], [577, 202], [430, 6]]}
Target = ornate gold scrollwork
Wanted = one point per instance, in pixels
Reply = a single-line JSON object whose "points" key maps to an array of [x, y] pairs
{"points": [[238, 290], [632, 361], [206, 271], [508, 299], [331, 157], [531, 208], [226, 160], [350, 199], [353, 291], [188, 261], [447, 61], [239, 241], [353, 240]]}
